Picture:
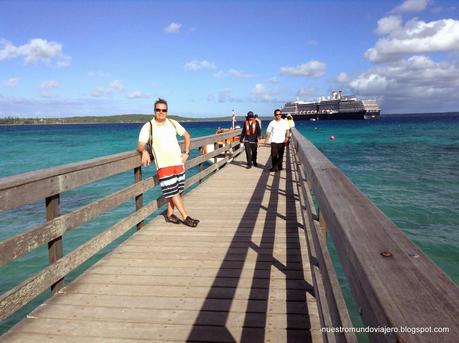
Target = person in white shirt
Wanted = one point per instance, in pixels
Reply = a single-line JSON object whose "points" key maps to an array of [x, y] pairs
{"points": [[277, 132], [169, 160], [290, 121], [291, 124]]}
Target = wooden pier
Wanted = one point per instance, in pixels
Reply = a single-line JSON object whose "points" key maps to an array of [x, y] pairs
{"points": [[256, 269]]}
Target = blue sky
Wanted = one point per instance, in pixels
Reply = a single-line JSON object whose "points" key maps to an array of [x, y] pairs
{"points": [[63, 58]]}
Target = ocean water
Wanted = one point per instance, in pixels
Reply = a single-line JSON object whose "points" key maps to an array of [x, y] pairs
{"points": [[407, 165]]}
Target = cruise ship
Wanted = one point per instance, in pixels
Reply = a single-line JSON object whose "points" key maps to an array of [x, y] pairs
{"points": [[334, 107]]}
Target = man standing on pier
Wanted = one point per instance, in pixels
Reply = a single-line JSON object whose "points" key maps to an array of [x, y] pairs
{"points": [[251, 136], [169, 160], [278, 131]]}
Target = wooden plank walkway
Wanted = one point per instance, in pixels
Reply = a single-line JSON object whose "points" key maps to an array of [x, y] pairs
{"points": [[242, 275]]}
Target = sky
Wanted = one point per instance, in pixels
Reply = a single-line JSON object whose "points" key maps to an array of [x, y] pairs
{"points": [[207, 58]]}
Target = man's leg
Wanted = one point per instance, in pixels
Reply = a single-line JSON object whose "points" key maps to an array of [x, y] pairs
{"points": [[170, 207], [274, 156], [248, 153], [254, 153], [177, 201], [281, 156]]}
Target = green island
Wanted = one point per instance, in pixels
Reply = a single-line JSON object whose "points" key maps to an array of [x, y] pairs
{"points": [[122, 118]]}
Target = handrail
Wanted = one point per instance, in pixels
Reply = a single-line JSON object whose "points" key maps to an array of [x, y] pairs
{"points": [[393, 282], [49, 183]]}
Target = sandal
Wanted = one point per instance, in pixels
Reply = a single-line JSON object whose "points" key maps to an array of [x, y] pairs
{"points": [[172, 219], [190, 222]]}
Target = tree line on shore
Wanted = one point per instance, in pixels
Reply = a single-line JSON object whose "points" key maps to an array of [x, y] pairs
{"points": [[123, 118]]}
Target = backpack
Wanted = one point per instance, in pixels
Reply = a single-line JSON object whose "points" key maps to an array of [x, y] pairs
{"points": [[149, 144]]}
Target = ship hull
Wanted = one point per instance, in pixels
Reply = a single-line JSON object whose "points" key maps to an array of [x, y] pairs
{"points": [[337, 116]]}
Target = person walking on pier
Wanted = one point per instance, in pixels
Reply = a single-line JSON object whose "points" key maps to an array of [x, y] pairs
{"points": [[251, 136], [278, 131], [162, 133], [291, 124]]}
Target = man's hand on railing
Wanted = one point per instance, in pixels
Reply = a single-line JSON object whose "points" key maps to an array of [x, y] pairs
{"points": [[185, 156], [145, 158]]}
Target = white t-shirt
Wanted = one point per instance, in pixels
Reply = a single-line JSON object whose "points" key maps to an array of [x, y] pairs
{"points": [[277, 130], [165, 145]]}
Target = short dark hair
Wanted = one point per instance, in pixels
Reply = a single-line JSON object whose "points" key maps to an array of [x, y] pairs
{"points": [[277, 109], [161, 101]]}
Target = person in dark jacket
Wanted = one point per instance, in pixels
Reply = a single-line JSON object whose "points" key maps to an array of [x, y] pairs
{"points": [[251, 136]]}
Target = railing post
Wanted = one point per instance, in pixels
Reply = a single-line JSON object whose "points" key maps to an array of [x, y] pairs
{"points": [[55, 246], [201, 166], [138, 198], [215, 148]]}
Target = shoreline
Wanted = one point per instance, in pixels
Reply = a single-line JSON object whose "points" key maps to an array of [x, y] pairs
{"points": [[184, 120]]}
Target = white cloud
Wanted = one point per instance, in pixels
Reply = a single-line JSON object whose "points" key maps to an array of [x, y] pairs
{"points": [[46, 88], [262, 94], [309, 69], [343, 77], [199, 65], [273, 80], [416, 84], [416, 37], [371, 83], [49, 84], [100, 92], [173, 28], [115, 86], [138, 95], [37, 50], [11, 82], [412, 6], [388, 24], [234, 74]]}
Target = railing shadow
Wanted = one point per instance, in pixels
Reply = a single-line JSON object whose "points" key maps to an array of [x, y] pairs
{"points": [[255, 318]]}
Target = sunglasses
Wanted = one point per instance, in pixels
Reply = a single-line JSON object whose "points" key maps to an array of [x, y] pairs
{"points": [[278, 114], [160, 110]]}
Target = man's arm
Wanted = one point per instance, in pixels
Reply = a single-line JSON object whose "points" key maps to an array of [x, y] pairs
{"points": [[268, 134], [186, 144], [258, 132], [243, 133], [144, 153], [143, 138], [287, 134]]}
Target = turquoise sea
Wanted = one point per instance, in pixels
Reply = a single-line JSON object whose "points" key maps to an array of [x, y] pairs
{"points": [[407, 165]]}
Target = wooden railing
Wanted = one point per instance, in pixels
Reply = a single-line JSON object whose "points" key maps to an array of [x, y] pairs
{"points": [[50, 183], [394, 284]]}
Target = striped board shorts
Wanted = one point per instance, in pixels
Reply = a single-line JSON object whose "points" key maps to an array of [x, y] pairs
{"points": [[171, 180]]}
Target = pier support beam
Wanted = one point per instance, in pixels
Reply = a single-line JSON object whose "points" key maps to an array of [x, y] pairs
{"points": [[138, 198], [55, 250]]}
